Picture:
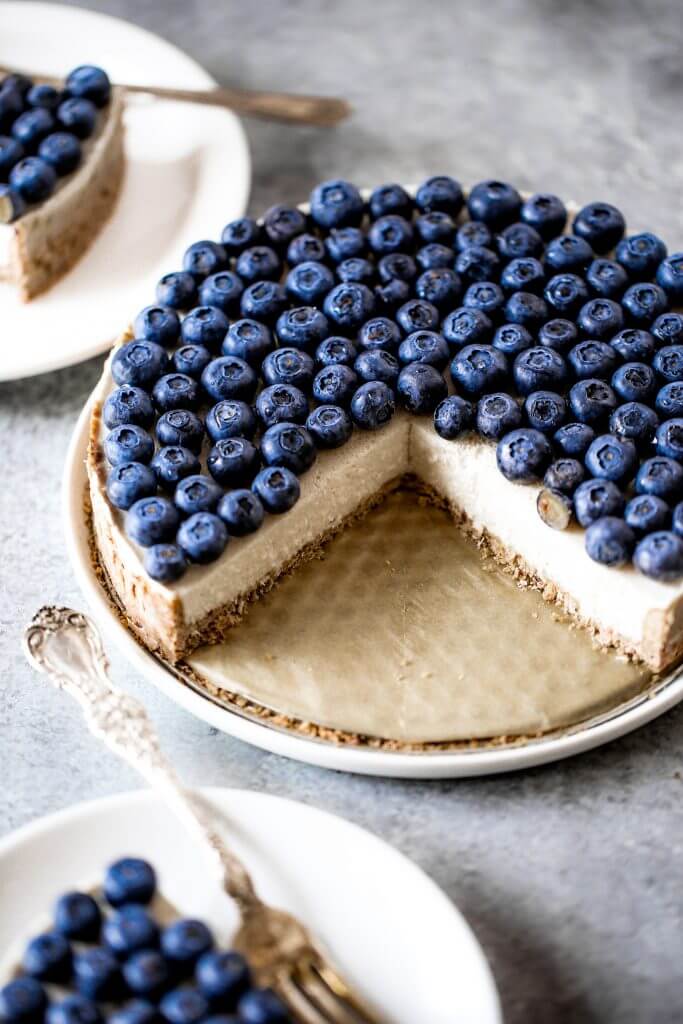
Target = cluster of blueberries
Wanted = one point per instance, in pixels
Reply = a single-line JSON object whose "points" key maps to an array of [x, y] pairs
{"points": [[297, 329], [41, 130], [122, 967]]}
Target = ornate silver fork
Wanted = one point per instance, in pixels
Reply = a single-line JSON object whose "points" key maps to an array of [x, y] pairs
{"points": [[66, 646]]}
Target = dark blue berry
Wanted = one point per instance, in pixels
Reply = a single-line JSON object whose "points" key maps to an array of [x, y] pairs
{"points": [[184, 1006], [377, 364], [537, 369], [497, 414], [635, 382], [567, 254], [646, 513], [127, 483], [610, 541], [89, 83], [303, 327], [390, 199], [179, 291], [467, 327], [612, 458], [434, 256], [424, 347], [330, 426], [668, 329], [223, 977], [379, 332], [668, 362], [479, 369], [344, 243], [260, 263], [31, 127], [139, 363], [233, 461], [165, 563], [660, 556], [184, 941], [485, 296], [336, 204], [204, 258], [524, 273], [203, 538], [601, 224], [440, 193], [669, 400], [644, 302], [546, 213], [356, 269], [565, 294], [149, 521], [138, 1011], [349, 305], [289, 446], [76, 914], [391, 234], [334, 385], [282, 402], [473, 233], [660, 476], [436, 226], [554, 507], [223, 290], [559, 334], [336, 350], [127, 404], [670, 277], [33, 179], [277, 488], [574, 439], [417, 315], [545, 411], [281, 224], [441, 287], [22, 1001], [176, 391], [249, 340], [288, 366], [518, 241], [477, 263], [160, 324], [47, 96], [242, 513], [230, 418], [420, 388], [11, 153], [453, 416], [180, 427], [564, 475], [397, 266], [74, 1009], [229, 377], [634, 421], [262, 1006], [526, 309], [197, 493], [592, 401], [640, 255], [373, 405], [606, 279], [130, 929], [390, 296], [523, 455], [495, 202], [128, 443], [306, 248], [173, 463], [62, 151], [594, 499], [592, 359], [512, 339], [191, 360], [633, 345], [78, 117], [239, 235], [47, 957], [97, 974], [670, 439], [147, 974], [677, 519]]}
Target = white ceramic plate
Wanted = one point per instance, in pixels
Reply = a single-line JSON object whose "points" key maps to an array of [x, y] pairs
{"points": [[402, 943], [188, 173], [367, 761]]}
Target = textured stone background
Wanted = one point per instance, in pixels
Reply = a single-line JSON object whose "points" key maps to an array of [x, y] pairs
{"points": [[570, 874]]}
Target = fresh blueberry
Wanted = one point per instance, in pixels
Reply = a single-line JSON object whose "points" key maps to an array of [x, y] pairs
{"points": [[204, 258], [518, 241], [397, 266], [390, 199], [565, 294], [89, 83], [128, 443], [377, 364], [524, 273], [180, 427], [440, 193], [165, 563], [473, 233], [424, 347], [48, 958], [479, 369], [334, 351], [139, 363], [601, 225], [230, 418], [594, 499], [11, 153], [574, 439], [239, 235], [633, 345], [160, 324], [62, 151], [610, 541], [242, 513], [282, 402], [184, 941], [172, 464], [453, 416], [260, 263], [127, 404], [203, 538], [74, 1009], [546, 213], [223, 977], [262, 1006], [373, 405], [670, 439], [677, 519], [496, 203], [223, 290], [668, 362], [288, 446], [559, 334], [356, 269], [545, 411], [277, 488], [137, 1011], [526, 309], [646, 513], [420, 388], [330, 426], [417, 315], [539, 368], [612, 458], [179, 291], [390, 296], [233, 461], [149, 521], [592, 359], [660, 556], [660, 476], [288, 366], [22, 1001], [634, 421], [644, 302], [31, 127], [477, 263], [130, 929], [177, 391], [33, 179], [304, 249], [564, 475], [345, 243], [668, 329], [336, 204], [184, 1005], [77, 116], [76, 914], [606, 279], [147, 974], [485, 296], [669, 400], [249, 340], [334, 385], [434, 256], [229, 377], [670, 277], [592, 401], [197, 493], [11, 102], [281, 224], [303, 327], [512, 339], [128, 482], [554, 507], [568, 255], [640, 255], [467, 327], [391, 234], [191, 360], [497, 414], [436, 226], [309, 283], [441, 287], [349, 305], [523, 455], [634, 382], [379, 333], [97, 974], [601, 318]]}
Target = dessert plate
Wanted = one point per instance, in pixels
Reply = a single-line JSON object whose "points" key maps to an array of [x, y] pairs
{"points": [[239, 719], [184, 163], [402, 943]]}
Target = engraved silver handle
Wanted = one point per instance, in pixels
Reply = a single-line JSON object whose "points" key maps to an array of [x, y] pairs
{"points": [[66, 646]]}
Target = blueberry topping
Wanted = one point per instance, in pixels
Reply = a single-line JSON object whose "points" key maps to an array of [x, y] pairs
{"points": [[479, 369], [523, 455], [420, 388], [233, 461], [574, 439], [486, 296], [670, 277], [130, 929], [197, 493], [304, 327], [592, 401], [229, 377], [564, 475], [612, 458], [184, 1006], [640, 255], [149, 521], [282, 224], [76, 914], [527, 309], [330, 426], [179, 291], [128, 443], [139, 363], [349, 305], [97, 974], [644, 302], [646, 513], [165, 563], [336, 350], [336, 204], [668, 363], [33, 179], [202, 537], [594, 499], [635, 422], [633, 345], [391, 234], [343, 243], [424, 347], [397, 266], [334, 385], [467, 327], [230, 418], [31, 127], [660, 476], [477, 263], [223, 978], [306, 248], [512, 339], [373, 405], [177, 391], [376, 364], [282, 402], [389, 296], [610, 541], [524, 273], [539, 368], [160, 324], [568, 254], [601, 224], [660, 556], [277, 488], [546, 213], [390, 199], [288, 366], [670, 439], [241, 511], [77, 116], [518, 241], [22, 1001], [606, 278], [566, 293], [441, 287], [139, 1011], [473, 233], [180, 427], [545, 411], [184, 941], [453, 416], [62, 151], [223, 290], [191, 360], [380, 332], [204, 258], [48, 958], [147, 973], [436, 226], [239, 235], [262, 1006], [668, 329], [669, 400], [559, 334], [434, 256], [592, 359], [417, 315], [89, 83], [496, 203], [356, 269], [249, 340], [259, 263], [289, 446], [440, 193], [555, 508], [497, 414], [635, 382]]}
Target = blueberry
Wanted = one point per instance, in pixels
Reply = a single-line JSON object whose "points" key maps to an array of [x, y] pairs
{"points": [[477, 263], [512, 339], [612, 458], [546, 213], [391, 234], [335, 351], [601, 318], [380, 332], [48, 958], [306, 248], [223, 977], [139, 363], [479, 369], [303, 327], [646, 513], [239, 235], [282, 402], [523, 455], [277, 488], [453, 416], [138, 1011], [191, 360], [77, 116], [334, 385], [149, 521], [288, 366], [330, 426], [89, 83], [677, 519], [62, 151], [564, 475], [539, 368], [77, 914], [130, 929], [397, 266], [417, 315], [74, 1009], [554, 507], [259, 263], [485, 296], [660, 476], [424, 347], [670, 439], [184, 1006], [420, 388], [179, 291], [668, 362], [440, 193], [441, 287], [660, 556], [160, 324], [128, 443], [668, 329], [545, 410], [601, 225], [592, 359], [180, 427], [606, 279], [13, 92], [640, 255], [644, 302], [592, 401], [496, 203], [147, 973], [565, 294], [524, 273], [349, 305], [165, 563], [373, 405], [434, 256], [281, 224], [31, 127], [436, 226], [197, 493], [204, 258], [22, 1001], [527, 309], [249, 340], [343, 243], [634, 421], [184, 941], [610, 541], [288, 446], [574, 439], [177, 391], [356, 269], [497, 414], [97, 974], [390, 296], [336, 204], [127, 404], [11, 153], [559, 334], [127, 483], [635, 382], [242, 513], [568, 255], [669, 400], [633, 345], [670, 277], [33, 179], [233, 461], [229, 377], [223, 290], [377, 364], [203, 538], [594, 499], [390, 199], [230, 418], [262, 1006]]}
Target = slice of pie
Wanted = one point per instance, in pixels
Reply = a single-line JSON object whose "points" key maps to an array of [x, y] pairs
{"points": [[519, 368]]}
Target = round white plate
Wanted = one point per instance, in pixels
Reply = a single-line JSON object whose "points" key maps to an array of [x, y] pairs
{"points": [[430, 764], [187, 174], [402, 944]]}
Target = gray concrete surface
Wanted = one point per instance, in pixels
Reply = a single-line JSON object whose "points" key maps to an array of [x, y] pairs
{"points": [[570, 874]]}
